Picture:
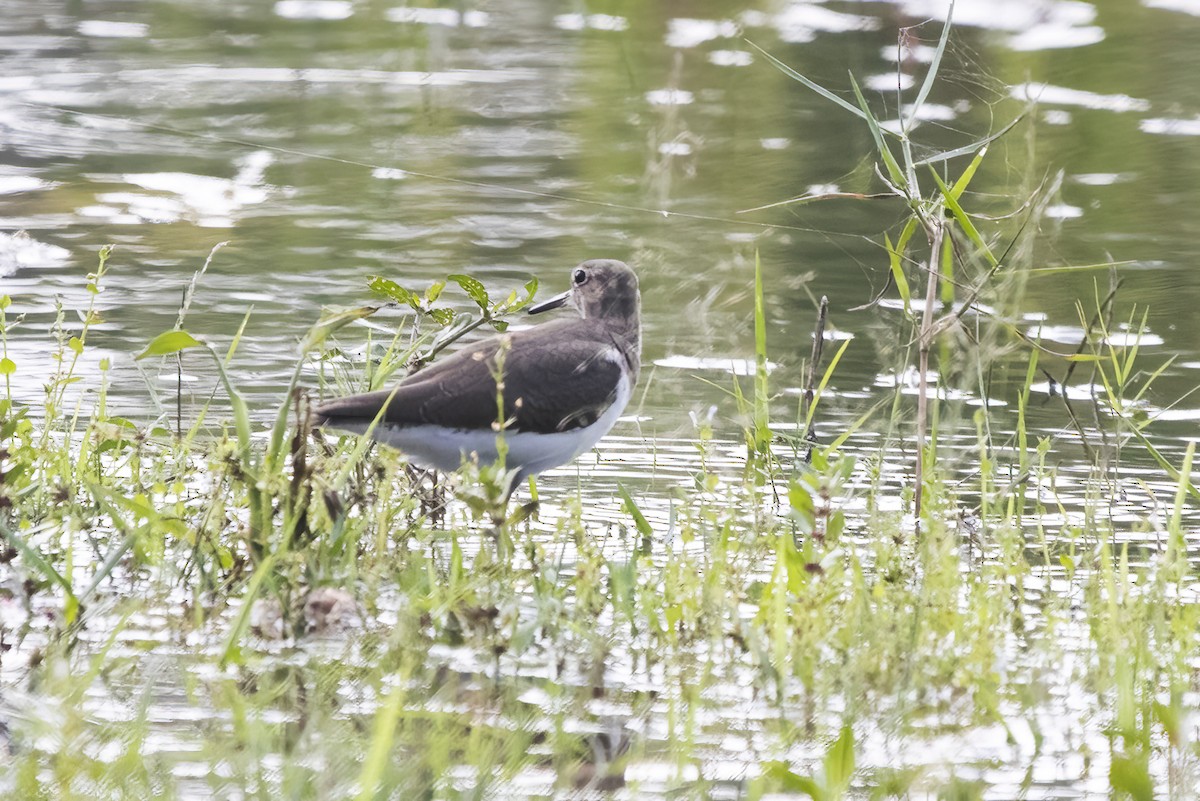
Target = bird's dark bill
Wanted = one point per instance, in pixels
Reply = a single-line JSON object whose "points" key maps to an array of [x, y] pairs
{"points": [[556, 302]]}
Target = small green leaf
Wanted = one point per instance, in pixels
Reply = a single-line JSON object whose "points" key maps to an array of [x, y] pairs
{"points": [[442, 316], [327, 325], [500, 325], [474, 289], [5, 302], [7, 366], [792, 782], [802, 508], [1131, 776], [393, 291], [839, 763], [75, 344], [434, 292], [169, 342]]}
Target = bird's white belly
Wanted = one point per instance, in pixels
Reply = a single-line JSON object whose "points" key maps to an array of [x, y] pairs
{"points": [[447, 448]]}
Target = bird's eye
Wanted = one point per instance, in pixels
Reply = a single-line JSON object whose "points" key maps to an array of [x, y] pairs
{"points": [[580, 277]]}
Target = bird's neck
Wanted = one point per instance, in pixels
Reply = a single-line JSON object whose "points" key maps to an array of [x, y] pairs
{"points": [[627, 334]]}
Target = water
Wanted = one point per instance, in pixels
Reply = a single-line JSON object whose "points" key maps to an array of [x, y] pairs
{"points": [[330, 141], [327, 141]]}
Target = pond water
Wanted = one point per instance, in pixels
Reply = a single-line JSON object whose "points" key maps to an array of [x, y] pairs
{"points": [[331, 141], [327, 141]]}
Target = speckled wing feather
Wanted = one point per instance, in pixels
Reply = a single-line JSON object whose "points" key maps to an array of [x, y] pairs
{"points": [[557, 377]]}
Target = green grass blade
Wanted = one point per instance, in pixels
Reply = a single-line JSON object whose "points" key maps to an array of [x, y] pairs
{"points": [[963, 220], [931, 75], [1150, 379], [34, 559], [762, 422], [960, 185], [1074, 268], [856, 425], [232, 650], [885, 153], [897, 268], [1176, 520], [639, 519], [279, 429], [237, 338], [241, 413], [382, 735], [821, 90], [967, 150], [828, 374]]}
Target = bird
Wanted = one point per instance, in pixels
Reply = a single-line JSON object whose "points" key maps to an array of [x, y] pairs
{"points": [[563, 385]]}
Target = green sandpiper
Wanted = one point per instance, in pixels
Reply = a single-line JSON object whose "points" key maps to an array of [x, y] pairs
{"points": [[563, 385]]}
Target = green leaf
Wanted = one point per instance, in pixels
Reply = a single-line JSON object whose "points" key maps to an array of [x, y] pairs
{"points": [[34, 559], [393, 291], [169, 342], [434, 291], [474, 289], [5, 302], [7, 366], [327, 325], [960, 185], [803, 508], [825, 378], [792, 782], [639, 519], [974, 146], [839, 763], [931, 75], [442, 316], [1131, 776], [894, 256], [383, 733], [821, 90], [76, 345], [889, 160], [762, 418], [963, 220], [232, 651]]}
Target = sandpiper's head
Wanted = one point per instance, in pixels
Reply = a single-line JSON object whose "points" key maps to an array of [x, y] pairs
{"points": [[600, 288]]}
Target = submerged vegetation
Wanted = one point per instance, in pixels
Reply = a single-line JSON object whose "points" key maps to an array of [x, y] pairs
{"points": [[811, 622]]}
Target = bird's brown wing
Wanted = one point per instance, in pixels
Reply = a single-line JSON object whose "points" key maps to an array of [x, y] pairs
{"points": [[556, 377]]}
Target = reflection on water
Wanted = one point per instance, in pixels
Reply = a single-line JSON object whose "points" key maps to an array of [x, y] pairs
{"points": [[328, 141]]}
